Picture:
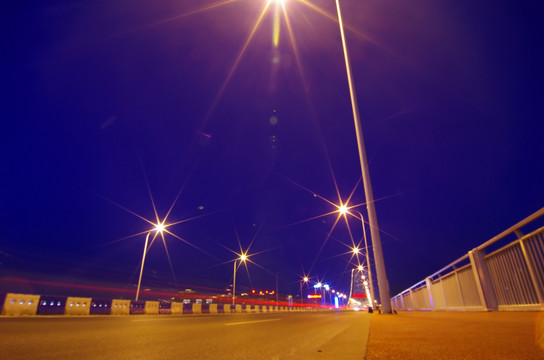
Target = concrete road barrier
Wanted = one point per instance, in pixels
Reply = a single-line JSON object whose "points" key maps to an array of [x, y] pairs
{"points": [[100, 306], [165, 307], [137, 307], [187, 308], [177, 307], [2, 299], [151, 308], [51, 305], [77, 306], [120, 307], [20, 304]]}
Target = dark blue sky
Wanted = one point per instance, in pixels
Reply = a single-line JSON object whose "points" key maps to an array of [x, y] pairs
{"points": [[100, 95]]}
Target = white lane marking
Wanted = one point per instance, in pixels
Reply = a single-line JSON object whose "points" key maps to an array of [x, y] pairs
{"points": [[250, 322]]}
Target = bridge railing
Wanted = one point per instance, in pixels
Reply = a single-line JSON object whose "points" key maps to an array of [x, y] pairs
{"points": [[504, 273]]}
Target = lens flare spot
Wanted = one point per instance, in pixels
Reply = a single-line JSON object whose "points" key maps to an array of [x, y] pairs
{"points": [[276, 30]]}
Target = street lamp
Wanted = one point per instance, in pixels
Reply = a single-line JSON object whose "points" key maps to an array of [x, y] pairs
{"points": [[368, 267], [365, 284], [343, 209], [277, 288], [305, 280], [351, 284], [159, 228], [358, 268], [381, 275], [242, 258], [319, 286], [325, 292]]}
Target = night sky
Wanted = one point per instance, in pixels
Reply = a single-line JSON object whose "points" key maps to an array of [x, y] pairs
{"points": [[112, 106]]}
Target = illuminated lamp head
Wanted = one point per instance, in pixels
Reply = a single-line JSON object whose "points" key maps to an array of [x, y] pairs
{"points": [[159, 227]]}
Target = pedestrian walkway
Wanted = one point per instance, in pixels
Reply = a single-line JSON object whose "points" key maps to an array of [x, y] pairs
{"points": [[457, 336]]}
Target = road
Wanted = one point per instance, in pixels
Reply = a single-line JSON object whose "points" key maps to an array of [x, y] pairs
{"points": [[327, 335]]}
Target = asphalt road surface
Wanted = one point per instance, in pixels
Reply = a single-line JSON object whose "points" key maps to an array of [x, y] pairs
{"points": [[327, 335]]}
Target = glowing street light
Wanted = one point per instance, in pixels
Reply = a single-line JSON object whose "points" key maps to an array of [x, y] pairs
{"points": [[381, 275], [159, 228], [305, 280], [326, 291], [319, 286], [360, 268], [242, 259], [369, 269], [365, 283]]}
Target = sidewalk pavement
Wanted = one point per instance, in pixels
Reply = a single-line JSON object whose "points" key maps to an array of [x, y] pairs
{"points": [[457, 335]]}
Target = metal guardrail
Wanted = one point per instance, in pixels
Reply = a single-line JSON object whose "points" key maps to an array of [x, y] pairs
{"points": [[493, 276]]}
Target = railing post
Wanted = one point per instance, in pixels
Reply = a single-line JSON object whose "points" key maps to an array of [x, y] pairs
{"points": [[529, 261], [483, 280], [444, 294], [414, 307], [428, 283], [460, 289]]}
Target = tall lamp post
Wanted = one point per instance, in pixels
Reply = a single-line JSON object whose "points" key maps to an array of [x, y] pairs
{"points": [[318, 286], [242, 258], [381, 275], [304, 280], [159, 229], [367, 291], [368, 267], [360, 268]]}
